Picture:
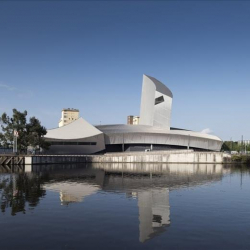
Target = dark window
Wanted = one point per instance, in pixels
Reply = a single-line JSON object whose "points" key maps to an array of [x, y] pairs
{"points": [[157, 218], [71, 143], [159, 100], [55, 143], [86, 143]]}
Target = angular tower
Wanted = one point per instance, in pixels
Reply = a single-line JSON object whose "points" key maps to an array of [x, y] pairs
{"points": [[156, 103]]}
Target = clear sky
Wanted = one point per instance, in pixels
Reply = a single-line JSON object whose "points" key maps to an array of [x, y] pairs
{"points": [[92, 55]]}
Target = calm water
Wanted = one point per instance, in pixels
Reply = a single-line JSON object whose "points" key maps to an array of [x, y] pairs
{"points": [[125, 207]]}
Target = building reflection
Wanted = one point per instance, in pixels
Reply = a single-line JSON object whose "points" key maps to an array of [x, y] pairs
{"points": [[71, 182], [154, 213], [71, 192], [150, 184]]}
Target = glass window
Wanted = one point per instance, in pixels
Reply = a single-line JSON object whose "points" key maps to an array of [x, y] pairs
{"points": [[159, 100]]}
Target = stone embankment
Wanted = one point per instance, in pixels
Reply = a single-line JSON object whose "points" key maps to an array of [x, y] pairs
{"points": [[180, 156]]}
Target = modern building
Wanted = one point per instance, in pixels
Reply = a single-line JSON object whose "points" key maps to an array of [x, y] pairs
{"points": [[153, 131], [130, 119], [68, 115], [133, 120]]}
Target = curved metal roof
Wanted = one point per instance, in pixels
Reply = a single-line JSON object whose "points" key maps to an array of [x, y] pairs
{"points": [[122, 128]]}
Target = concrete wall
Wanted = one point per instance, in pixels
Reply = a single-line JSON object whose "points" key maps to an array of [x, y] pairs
{"points": [[145, 157], [184, 157], [28, 160]]}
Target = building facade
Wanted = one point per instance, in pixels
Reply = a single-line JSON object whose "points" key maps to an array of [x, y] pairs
{"points": [[68, 115], [133, 120]]}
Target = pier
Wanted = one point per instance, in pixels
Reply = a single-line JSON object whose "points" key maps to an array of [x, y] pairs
{"points": [[11, 160]]}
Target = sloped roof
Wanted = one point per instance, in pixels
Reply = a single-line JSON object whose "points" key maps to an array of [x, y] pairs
{"points": [[75, 130], [160, 87]]}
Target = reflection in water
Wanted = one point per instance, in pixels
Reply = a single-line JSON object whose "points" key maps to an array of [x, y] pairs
{"points": [[154, 212], [71, 192], [150, 184], [18, 189], [71, 182], [125, 177]]}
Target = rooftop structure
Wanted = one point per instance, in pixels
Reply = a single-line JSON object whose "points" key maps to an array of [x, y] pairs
{"points": [[133, 120]]}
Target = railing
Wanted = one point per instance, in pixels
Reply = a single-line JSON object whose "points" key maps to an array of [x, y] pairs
{"points": [[11, 160]]}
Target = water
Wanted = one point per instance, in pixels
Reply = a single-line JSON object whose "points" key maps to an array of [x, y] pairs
{"points": [[125, 206]]}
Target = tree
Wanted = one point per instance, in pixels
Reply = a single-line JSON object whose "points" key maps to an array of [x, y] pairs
{"points": [[9, 124], [0, 141], [225, 147], [235, 146], [29, 134], [36, 133]]}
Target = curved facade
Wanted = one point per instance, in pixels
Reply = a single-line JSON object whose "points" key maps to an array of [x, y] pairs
{"points": [[153, 132], [141, 137]]}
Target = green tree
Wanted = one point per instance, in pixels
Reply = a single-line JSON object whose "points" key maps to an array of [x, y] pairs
{"points": [[0, 141], [29, 134], [36, 133], [234, 146], [9, 124], [225, 147]]}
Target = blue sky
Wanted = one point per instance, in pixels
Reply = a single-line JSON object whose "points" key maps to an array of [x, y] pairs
{"points": [[92, 55]]}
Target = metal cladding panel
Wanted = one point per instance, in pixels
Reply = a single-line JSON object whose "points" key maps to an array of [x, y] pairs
{"points": [[160, 87], [177, 138], [80, 149], [153, 114], [162, 111], [75, 130], [147, 102], [123, 129]]}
